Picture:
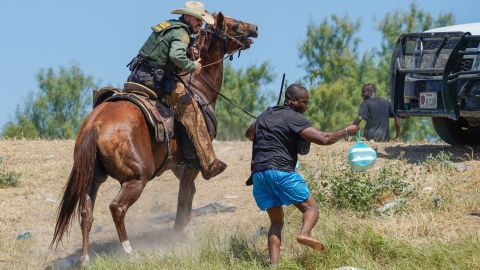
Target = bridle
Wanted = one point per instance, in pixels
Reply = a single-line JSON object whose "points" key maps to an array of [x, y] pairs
{"points": [[241, 40]]}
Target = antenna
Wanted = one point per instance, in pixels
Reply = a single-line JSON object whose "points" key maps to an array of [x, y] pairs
{"points": [[281, 89]]}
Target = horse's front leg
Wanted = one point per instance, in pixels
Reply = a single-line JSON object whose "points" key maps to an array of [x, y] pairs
{"points": [[185, 196]]}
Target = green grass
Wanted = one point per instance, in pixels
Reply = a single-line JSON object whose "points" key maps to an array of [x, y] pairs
{"points": [[359, 191], [361, 247]]}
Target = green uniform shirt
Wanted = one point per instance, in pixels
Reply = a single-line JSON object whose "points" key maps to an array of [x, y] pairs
{"points": [[166, 47]]}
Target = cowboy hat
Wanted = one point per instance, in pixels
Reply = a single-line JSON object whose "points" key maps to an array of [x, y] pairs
{"points": [[197, 10]]}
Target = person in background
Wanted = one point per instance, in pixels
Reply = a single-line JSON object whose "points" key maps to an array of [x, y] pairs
{"points": [[376, 112], [279, 134]]}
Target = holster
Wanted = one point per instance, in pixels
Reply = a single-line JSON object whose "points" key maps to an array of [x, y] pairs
{"points": [[139, 63], [163, 80]]}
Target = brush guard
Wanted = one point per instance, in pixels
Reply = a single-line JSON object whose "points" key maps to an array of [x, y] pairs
{"points": [[445, 65]]}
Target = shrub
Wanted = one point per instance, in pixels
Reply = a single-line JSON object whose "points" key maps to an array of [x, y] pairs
{"points": [[8, 178], [441, 162], [360, 191]]}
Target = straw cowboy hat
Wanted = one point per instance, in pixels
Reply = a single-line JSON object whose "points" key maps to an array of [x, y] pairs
{"points": [[197, 10]]}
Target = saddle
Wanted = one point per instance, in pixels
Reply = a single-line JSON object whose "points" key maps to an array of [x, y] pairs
{"points": [[159, 117]]}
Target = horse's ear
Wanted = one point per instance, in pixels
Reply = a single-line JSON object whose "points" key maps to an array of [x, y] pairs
{"points": [[219, 20]]}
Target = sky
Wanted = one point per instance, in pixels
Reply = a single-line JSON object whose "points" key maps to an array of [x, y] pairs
{"points": [[102, 36]]}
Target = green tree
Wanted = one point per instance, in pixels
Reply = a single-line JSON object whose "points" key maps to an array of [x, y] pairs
{"points": [[330, 50], [391, 27], [58, 109], [244, 88], [335, 71]]}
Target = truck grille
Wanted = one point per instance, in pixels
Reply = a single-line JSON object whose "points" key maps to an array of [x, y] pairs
{"points": [[466, 64]]}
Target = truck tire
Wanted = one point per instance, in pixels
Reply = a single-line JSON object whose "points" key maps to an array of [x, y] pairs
{"points": [[456, 132]]}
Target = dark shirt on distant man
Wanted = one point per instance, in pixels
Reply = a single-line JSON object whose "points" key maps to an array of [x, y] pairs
{"points": [[373, 111]]}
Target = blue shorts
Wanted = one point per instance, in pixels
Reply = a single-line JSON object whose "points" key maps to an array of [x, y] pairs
{"points": [[275, 188]]}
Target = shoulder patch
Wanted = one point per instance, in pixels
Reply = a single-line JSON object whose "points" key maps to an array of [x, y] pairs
{"points": [[185, 38], [161, 26]]}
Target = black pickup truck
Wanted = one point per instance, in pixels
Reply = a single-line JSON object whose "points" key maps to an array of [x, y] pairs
{"points": [[437, 74]]}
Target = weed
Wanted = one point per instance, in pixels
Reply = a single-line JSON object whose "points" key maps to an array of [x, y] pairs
{"points": [[441, 162], [359, 191], [241, 249], [8, 178]]}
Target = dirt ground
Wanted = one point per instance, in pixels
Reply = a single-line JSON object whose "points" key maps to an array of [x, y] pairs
{"points": [[45, 166]]}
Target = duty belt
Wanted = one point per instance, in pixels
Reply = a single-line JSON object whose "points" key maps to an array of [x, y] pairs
{"points": [[140, 63]]}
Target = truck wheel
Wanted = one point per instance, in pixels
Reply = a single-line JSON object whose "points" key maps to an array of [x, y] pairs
{"points": [[456, 132]]}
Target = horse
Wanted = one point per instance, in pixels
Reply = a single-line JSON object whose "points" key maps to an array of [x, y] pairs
{"points": [[115, 140]]}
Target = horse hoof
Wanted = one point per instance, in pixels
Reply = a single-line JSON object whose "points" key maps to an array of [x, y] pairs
{"points": [[127, 247], [84, 260]]}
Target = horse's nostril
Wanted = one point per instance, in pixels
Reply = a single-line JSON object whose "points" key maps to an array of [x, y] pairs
{"points": [[254, 30]]}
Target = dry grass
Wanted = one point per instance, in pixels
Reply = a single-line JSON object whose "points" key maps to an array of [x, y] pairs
{"points": [[445, 204]]}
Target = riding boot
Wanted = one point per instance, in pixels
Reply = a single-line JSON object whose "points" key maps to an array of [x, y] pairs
{"points": [[189, 114]]}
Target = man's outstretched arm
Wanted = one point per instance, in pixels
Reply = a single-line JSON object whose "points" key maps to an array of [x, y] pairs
{"points": [[317, 136]]}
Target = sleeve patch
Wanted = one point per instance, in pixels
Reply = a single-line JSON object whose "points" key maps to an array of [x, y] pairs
{"points": [[185, 39]]}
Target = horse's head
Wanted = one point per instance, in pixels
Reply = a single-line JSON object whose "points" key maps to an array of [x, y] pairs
{"points": [[214, 44], [227, 35], [236, 33]]}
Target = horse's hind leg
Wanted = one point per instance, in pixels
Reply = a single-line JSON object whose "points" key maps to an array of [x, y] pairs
{"points": [[128, 195], [185, 196], [87, 214]]}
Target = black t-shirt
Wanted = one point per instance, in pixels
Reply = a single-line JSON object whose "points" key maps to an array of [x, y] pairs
{"points": [[276, 139], [376, 112]]}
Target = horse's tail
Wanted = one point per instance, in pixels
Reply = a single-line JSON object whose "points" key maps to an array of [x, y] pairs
{"points": [[78, 184]]}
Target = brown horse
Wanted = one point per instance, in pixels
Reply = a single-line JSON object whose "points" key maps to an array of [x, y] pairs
{"points": [[115, 140]]}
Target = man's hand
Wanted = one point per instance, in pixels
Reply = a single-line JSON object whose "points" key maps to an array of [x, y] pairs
{"points": [[351, 129], [198, 66]]}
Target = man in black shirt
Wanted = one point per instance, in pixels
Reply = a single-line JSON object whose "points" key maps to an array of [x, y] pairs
{"points": [[279, 135], [376, 112]]}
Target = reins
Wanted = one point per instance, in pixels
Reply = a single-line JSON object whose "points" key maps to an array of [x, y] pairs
{"points": [[227, 99]]}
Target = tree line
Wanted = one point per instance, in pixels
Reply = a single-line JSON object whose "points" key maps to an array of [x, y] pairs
{"points": [[335, 68]]}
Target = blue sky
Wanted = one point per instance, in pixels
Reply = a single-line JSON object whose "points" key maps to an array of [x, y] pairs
{"points": [[103, 35]]}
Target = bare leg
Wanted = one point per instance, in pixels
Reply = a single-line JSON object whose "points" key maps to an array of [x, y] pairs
{"points": [[275, 232], [185, 197], [310, 218], [128, 195]]}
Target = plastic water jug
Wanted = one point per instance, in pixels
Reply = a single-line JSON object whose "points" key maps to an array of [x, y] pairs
{"points": [[361, 157]]}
